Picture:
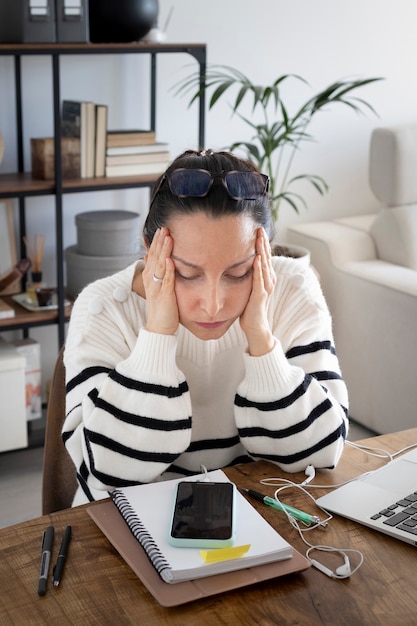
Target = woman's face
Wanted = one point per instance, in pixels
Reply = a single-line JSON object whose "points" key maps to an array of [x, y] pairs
{"points": [[214, 265]]}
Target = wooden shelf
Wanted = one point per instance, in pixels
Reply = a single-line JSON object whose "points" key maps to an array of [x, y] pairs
{"points": [[22, 184], [107, 182], [134, 47], [26, 319], [18, 184]]}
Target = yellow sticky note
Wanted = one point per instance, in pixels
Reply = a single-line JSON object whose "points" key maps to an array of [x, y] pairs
{"points": [[224, 554]]}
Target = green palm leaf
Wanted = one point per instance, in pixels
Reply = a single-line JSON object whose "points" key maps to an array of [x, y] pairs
{"points": [[274, 144]]}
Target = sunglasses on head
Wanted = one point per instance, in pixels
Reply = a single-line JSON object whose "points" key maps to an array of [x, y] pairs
{"points": [[196, 183]]}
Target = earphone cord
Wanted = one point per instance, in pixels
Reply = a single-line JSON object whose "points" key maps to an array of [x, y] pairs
{"points": [[344, 571]]}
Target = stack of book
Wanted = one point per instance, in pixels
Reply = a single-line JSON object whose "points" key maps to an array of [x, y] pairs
{"points": [[86, 122], [135, 152], [106, 152]]}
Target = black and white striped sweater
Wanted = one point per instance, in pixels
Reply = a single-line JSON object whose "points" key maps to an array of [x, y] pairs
{"points": [[143, 406]]}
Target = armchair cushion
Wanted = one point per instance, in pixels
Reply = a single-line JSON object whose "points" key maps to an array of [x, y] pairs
{"points": [[392, 177]]}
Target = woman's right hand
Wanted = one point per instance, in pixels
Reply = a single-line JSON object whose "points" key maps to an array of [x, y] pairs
{"points": [[159, 282]]}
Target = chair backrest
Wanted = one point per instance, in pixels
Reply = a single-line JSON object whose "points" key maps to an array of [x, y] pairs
{"points": [[59, 481]]}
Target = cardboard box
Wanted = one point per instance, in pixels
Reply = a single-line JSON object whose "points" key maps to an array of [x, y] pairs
{"points": [[43, 157], [31, 351], [13, 427]]}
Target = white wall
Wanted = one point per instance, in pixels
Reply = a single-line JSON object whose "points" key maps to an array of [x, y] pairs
{"points": [[322, 41]]}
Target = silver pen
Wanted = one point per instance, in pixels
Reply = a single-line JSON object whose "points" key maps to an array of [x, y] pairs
{"points": [[47, 542]]}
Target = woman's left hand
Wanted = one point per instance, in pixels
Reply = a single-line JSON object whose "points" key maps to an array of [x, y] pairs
{"points": [[254, 320]]}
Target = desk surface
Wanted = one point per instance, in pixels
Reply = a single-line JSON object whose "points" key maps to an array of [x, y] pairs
{"points": [[98, 587]]}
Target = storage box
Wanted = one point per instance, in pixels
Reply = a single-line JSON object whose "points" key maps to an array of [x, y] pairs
{"points": [[13, 428], [43, 157], [31, 351], [107, 233], [27, 21], [82, 269]]}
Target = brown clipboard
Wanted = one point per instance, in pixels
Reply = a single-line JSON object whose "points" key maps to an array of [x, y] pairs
{"points": [[113, 526]]}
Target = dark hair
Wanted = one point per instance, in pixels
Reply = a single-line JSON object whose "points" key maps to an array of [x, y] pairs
{"points": [[216, 204]]}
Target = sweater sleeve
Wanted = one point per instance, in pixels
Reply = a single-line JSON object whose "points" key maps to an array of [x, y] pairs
{"points": [[291, 407], [128, 414]]}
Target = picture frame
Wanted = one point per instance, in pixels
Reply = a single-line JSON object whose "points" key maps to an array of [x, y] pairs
{"points": [[8, 253]]}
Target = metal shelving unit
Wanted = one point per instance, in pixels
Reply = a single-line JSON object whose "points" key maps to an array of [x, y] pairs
{"points": [[20, 185]]}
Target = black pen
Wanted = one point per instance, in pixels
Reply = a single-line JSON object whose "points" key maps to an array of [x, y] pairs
{"points": [[47, 541], [60, 562]]}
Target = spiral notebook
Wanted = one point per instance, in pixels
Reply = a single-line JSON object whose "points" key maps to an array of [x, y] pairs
{"points": [[108, 519], [146, 509]]}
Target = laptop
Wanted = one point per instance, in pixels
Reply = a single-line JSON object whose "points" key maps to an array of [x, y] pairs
{"points": [[385, 500]]}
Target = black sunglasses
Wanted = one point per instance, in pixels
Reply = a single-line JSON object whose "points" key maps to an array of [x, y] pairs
{"points": [[196, 183]]}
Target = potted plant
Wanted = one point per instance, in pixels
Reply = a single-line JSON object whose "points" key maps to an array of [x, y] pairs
{"points": [[277, 137]]}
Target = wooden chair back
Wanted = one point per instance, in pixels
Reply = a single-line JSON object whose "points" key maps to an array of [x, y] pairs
{"points": [[59, 481]]}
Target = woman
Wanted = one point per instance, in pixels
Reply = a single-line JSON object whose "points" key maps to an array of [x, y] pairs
{"points": [[209, 350]]}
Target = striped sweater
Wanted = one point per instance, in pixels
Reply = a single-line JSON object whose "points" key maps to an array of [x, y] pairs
{"points": [[143, 406]]}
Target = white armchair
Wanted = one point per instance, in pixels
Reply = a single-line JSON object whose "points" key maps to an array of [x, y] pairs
{"points": [[368, 271]]}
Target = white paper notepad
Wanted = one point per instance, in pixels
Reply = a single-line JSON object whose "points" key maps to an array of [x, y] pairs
{"points": [[147, 509]]}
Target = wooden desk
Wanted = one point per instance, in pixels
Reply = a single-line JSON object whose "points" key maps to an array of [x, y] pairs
{"points": [[99, 588]]}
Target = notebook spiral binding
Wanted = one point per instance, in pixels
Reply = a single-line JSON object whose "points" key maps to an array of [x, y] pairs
{"points": [[141, 533]]}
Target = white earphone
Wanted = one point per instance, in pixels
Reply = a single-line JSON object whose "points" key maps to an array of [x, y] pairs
{"points": [[343, 571], [310, 472]]}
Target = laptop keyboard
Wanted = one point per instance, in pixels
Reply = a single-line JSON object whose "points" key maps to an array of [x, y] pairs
{"points": [[401, 514]]}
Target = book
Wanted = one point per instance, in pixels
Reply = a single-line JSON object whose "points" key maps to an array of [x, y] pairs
{"points": [[146, 510], [6, 311], [71, 126], [71, 118], [101, 136], [130, 159], [136, 169], [146, 148], [90, 143], [129, 137], [83, 139], [78, 120]]}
